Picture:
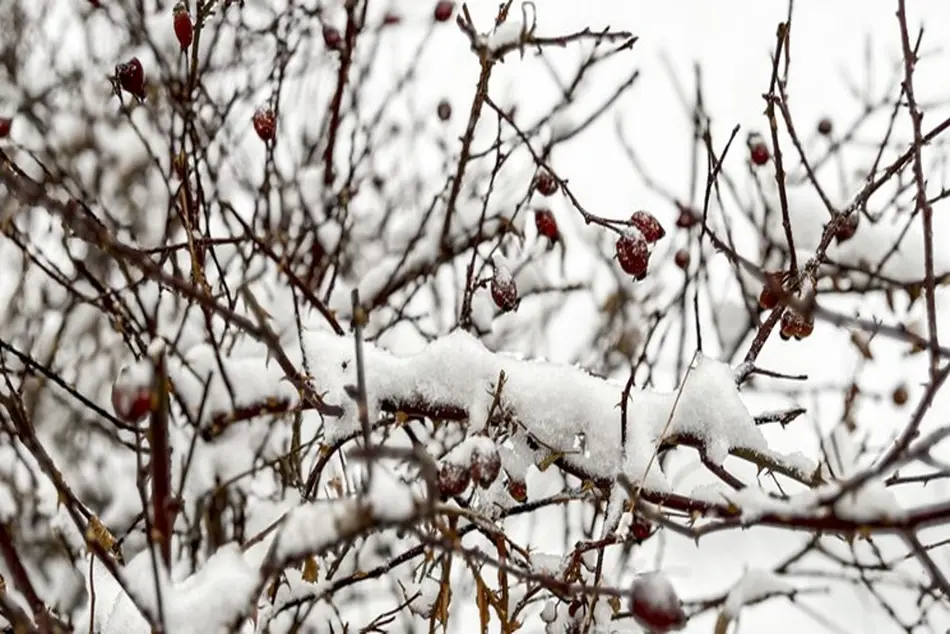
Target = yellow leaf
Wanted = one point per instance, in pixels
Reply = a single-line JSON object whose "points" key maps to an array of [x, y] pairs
{"points": [[550, 459], [310, 569]]}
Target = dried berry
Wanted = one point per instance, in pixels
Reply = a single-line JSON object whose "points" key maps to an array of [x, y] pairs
{"points": [[131, 78], [824, 126], [265, 123], [504, 291], [518, 490], [443, 10], [768, 298], [184, 30], [391, 19], [687, 218], [900, 395], [332, 38], [655, 604], [648, 225], [633, 253], [5, 123], [681, 258], [485, 466], [847, 228], [444, 110], [545, 183], [796, 325], [546, 224], [453, 479]]}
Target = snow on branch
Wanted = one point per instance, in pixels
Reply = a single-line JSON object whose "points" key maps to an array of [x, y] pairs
{"points": [[560, 413]]}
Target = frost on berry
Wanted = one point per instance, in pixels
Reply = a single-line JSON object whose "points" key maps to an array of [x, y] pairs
{"points": [[475, 458], [648, 225], [443, 10], [546, 224], [184, 29], [332, 38], [485, 464], [545, 183], [504, 291], [518, 490], [132, 393], [130, 77], [453, 479], [633, 253], [655, 604], [265, 123], [796, 325]]}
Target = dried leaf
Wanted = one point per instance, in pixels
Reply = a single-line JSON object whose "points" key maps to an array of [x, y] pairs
{"points": [[550, 459], [310, 569], [862, 344]]}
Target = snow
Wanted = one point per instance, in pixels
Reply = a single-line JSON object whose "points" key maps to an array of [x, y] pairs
{"points": [[506, 34], [709, 407], [556, 403], [313, 528], [196, 605], [462, 454], [753, 586]]}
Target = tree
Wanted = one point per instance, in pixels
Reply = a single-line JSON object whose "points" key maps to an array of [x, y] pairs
{"points": [[294, 342]]}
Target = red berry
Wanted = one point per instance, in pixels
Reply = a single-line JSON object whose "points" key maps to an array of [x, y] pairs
{"points": [[648, 225], [5, 123], [485, 466], [633, 253], [453, 479], [682, 259], [545, 183], [443, 10], [640, 529], [332, 38], [131, 78], [132, 394], [504, 291], [518, 490], [759, 153], [391, 19], [444, 110], [824, 126], [656, 606], [546, 224], [265, 123], [184, 30], [687, 217], [847, 228]]}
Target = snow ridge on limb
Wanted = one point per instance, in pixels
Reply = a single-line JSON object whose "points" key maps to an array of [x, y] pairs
{"points": [[553, 406]]}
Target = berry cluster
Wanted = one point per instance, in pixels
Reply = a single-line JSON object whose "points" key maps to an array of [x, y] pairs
{"points": [[475, 460], [633, 246]]}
